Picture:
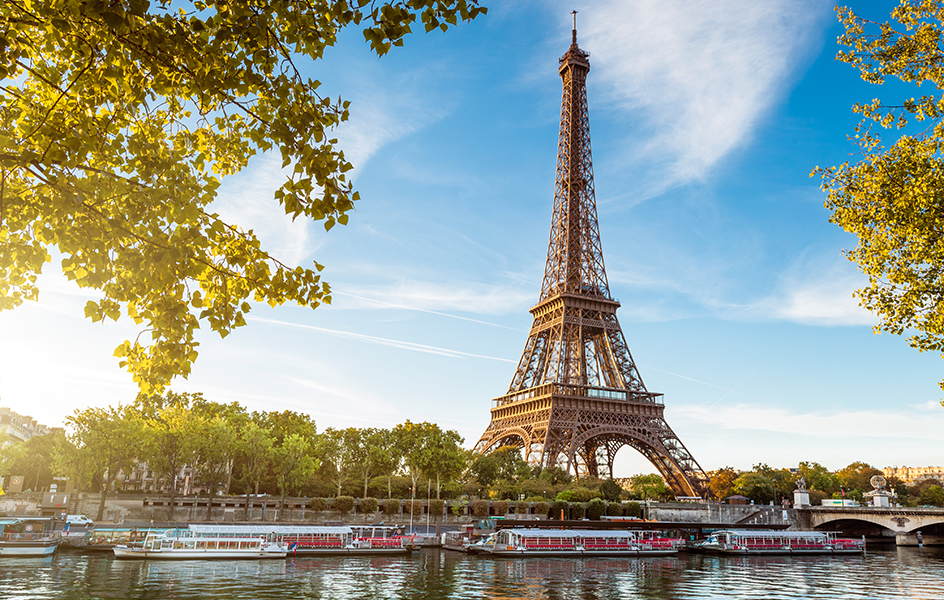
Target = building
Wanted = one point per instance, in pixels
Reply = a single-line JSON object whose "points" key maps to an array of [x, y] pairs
{"points": [[19, 428], [911, 475]]}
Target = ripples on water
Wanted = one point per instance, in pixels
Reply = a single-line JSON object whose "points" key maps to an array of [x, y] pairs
{"points": [[897, 573]]}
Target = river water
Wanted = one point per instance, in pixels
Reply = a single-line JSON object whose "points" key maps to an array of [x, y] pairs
{"points": [[892, 573]]}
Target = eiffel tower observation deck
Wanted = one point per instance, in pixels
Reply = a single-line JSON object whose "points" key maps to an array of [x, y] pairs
{"points": [[576, 397]]}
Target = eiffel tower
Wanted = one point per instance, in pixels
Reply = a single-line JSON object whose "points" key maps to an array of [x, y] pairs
{"points": [[577, 397]]}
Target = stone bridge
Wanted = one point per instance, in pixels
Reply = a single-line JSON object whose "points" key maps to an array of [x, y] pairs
{"points": [[897, 524]]}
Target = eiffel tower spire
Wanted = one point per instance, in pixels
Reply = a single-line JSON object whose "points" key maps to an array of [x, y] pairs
{"points": [[576, 397]]}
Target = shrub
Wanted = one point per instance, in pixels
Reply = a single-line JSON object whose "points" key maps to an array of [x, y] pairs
{"points": [[541, 508], [583, 494], [578, 510], [611, 490], [369, 505], [319, 504], [479, 508], [344, 503], [632, 509], [614, 509], [595, 509], [436, 507], [534, 499], [458, 507], [391, 506], [416, 507], [566, 496], [522, 507], [559, 508], [500, 508]]}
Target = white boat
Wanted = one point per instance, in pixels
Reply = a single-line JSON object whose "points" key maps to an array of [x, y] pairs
{"points": [[177, 544], [763, 541], [27, 537], [578, 542], [318, 540]]}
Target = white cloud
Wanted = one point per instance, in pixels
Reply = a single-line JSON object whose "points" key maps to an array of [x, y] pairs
{"points": [[860, 423], [437, 297], [698, 74]]}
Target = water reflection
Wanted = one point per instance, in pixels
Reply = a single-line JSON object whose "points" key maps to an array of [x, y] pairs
{"points": [[895, 573]]}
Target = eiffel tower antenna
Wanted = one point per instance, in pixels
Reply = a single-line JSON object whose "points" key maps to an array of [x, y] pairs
{"points": [[576, 397]]}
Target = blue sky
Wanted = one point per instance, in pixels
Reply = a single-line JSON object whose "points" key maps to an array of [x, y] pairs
{"points": [[706, 120]]}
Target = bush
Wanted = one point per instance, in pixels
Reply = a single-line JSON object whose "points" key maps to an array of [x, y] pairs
{"points": [[436, 508], [541, 508], [632, 509], [479, 508], [611, 490], [500, 508], [344, 503], [560, 508], [319, 504], [534, 499], [595, 509], [369, 505], [391, 506], [566, 496], [583, 494], [614, 509], [416, 507], [578, 510], [522, 507], [458, 507]]}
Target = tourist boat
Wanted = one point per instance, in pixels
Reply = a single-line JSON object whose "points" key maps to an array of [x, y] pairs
{"points": [[759, 541], [186, 544], [578, 542], [319, 540], [25, 536], [106, 538]]}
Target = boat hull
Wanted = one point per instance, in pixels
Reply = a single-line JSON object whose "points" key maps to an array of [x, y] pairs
{"points": [[188, 554], [626, 553], [782, 551], [347, 551], [28, 548]]}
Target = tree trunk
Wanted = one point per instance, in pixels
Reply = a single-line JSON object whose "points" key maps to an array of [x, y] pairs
{"points": [[437, 485], [101, 502], [281, 506], [389, 487], [366, 481], [246, 508], [172, 478]]}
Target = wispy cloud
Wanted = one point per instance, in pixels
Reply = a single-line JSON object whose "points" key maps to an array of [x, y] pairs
{"points": [[699, 75], [438, 298], [382, 304], [370, 339], [868, 423]]}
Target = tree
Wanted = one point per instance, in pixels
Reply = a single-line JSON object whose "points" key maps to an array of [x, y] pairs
{"points": [[721, 482], [649, 486], [756, 486], [293, 465], [441, 455], [110, 438], [255, 449], [890, 199], [611, 490], [819, 478], [337, 450], [34, 459], [117, 120], [171, 441], [215, 445], [370, 454], [855, 478]]}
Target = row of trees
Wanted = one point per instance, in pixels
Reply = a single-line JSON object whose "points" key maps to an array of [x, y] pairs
{"points": [[764, 484]]}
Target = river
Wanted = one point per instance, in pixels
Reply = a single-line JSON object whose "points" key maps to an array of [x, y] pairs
{"points": [[889, 573]]}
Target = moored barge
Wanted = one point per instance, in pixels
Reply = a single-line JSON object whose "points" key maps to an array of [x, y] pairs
{"points": [[579, 542], [759, 541]]}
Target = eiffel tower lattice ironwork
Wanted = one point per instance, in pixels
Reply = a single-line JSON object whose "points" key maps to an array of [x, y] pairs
{"points": [[577, 397]]}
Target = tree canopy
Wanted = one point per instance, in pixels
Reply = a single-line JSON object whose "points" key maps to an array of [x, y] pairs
{"points": [[117, 121], [891, 198]]}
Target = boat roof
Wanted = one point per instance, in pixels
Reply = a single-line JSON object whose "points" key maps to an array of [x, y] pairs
{"points": [[267, 529], [771, 533], [5, 522], [571, 533]]}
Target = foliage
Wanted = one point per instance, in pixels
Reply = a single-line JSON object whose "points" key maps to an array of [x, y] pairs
{"points": [[255, 448], [293, 464], [318, 504], [458, 507], [416, 507], [614, 509], [500, 507], [611, 490], [369, 505], [578, 510], [436, 507], [757, 487], [36, 461], [117, 120], [632, 509], [649, 486], [890, 199], [479, 508], [932, 495], [337, 450], [391, 506], [344, 504], [565, 496], [558, 508], [721, 482], [541, 508], [583, 494], [819, 478], [855, 477], [596, 508]]}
